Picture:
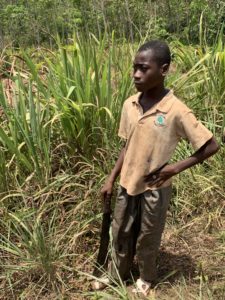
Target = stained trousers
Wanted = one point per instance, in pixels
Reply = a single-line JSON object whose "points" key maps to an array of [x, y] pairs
{"points": [[137, 227]]}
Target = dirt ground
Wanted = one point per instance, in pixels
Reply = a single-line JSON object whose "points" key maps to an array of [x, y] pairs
{"points": [[191, 264]]}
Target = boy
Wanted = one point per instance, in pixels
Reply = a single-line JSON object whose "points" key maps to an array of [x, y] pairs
{"points": [[152, 123]]}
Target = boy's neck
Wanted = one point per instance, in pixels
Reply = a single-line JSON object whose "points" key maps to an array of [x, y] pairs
{"points": [[156, 93]]}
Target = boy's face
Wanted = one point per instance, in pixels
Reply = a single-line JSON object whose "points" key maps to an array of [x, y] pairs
{"points": [[147, 73]]}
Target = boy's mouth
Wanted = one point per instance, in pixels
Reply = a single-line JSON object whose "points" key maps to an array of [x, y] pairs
{"points": [[138, 83]]}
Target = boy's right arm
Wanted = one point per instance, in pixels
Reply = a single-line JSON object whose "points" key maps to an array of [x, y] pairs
{"points": [[107, 189]]}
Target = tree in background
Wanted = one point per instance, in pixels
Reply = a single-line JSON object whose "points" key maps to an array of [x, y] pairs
{"points": [[37, 22]]}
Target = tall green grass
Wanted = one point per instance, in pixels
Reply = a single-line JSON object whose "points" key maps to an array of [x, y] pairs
{"points": [[77, 101], [89, 81]]}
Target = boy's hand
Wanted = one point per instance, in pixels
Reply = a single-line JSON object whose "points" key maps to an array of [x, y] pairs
{"points": [[106, 193], [158, 177]]}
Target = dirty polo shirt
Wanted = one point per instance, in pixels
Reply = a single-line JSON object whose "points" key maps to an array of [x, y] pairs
{"points": [[152, 137]]}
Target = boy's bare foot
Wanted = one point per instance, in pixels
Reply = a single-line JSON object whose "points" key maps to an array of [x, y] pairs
{"points": [[142, 287], [100, 283]]}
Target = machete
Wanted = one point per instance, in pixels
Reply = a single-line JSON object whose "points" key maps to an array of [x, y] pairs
{"points": [[102, 259]]}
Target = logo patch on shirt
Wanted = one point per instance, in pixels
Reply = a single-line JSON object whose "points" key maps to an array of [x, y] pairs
{"points": [[160, 120]]}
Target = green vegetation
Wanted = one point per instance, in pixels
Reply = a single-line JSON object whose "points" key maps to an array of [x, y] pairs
{"points": [[26, 23], [59, 114]]}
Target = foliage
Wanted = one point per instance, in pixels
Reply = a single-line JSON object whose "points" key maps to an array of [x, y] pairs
{"points": [[32, 22], [58, 142]]}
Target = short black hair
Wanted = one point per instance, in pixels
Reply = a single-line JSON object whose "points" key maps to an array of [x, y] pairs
{"points": [[161, 51]]}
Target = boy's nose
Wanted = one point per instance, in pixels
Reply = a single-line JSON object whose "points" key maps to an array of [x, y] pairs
{"points": [[137, 75]]}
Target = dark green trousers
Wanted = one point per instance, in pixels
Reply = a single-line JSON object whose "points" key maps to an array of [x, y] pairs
{"points": [[137, 227]]}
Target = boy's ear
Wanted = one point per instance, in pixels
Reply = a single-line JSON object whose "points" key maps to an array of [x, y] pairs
{"points": [[164, 69]]}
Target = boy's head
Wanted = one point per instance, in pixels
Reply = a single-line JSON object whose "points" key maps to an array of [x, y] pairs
{"points": [[151, 65]]}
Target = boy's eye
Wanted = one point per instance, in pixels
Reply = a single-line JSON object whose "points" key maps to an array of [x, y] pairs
{"points": [[141, 68]]}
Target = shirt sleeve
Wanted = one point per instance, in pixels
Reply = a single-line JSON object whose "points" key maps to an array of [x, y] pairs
{"points": [[124, 124], [193, 130]]}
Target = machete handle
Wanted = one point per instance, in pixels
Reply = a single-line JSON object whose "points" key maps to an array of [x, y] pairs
{"points": [[107, 204]]}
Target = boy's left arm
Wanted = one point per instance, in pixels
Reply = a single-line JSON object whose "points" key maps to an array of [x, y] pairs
{"points": [[207, 150], [201, 139]]}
